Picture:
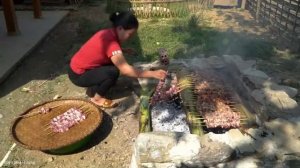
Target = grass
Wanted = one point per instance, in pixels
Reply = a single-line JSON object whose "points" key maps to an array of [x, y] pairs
{"points": [[191, 36], [183, 38]]}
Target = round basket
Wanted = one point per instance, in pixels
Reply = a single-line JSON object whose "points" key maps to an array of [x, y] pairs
{"points": [[31, 131]]}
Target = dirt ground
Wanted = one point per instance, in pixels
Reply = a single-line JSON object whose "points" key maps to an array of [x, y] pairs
{"points": [[42, 76], [283, 66]]}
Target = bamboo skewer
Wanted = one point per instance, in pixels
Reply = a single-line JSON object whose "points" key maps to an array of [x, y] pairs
{"points": [[182, 90], [190, 105], [85, 111], [185, 85], [186, 82], [51, 133], [200, 118], [47, 128], [37, 112]]}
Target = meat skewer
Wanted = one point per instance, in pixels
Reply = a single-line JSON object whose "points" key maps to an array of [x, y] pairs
{"points": [[216, 107], [65, 121], [42, 110], [166, 90]]}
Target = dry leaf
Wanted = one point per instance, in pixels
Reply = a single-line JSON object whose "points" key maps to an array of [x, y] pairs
{"points": [[25, 89], [56, 97]]}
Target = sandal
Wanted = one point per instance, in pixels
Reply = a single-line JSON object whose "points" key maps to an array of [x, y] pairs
{"points": [[107, 104]]}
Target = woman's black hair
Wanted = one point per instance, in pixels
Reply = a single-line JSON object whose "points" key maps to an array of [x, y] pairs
{"points": [[125, 19]]}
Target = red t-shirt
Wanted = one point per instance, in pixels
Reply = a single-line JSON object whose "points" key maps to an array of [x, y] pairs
{"points": [[97, 51]]}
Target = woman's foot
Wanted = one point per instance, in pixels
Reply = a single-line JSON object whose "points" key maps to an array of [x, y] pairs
{"points": [[103, 102]]}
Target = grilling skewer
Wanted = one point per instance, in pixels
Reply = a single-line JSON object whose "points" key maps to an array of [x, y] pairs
{"points": [[180, 90], [186, 81], [66, 120], [182, 87], [243, 119], [42, 110], [190, 105], [185, 86], [51, 133]]}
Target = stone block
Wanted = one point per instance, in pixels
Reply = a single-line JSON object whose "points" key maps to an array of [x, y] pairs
{"points": [[255, 73], [223, 138], [232, 58], [292, 92], [241, 64], [286, 134], [255, 81], [277, 102], [236, 140], [281, 101], [215, 61], [199, 63], [213, 153], [259, 96], [166, 147], [242, 142], [158, 165], [248, 162]]}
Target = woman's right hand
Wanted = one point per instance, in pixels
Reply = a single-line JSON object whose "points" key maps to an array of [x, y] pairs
{"points": [[159, 74]]}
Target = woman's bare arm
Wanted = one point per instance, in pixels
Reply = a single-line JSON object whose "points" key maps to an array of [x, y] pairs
{"points": [[120, 62]]}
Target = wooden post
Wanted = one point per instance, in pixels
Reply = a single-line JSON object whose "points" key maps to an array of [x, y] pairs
{"points": [[257, 10], [37, 9], [243, 5], [10, 17]]}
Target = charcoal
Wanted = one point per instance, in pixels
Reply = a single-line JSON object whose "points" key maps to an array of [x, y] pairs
{"points": [[168, 117]]}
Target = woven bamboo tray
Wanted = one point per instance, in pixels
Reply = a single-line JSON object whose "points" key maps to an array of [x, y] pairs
{"points": [[29, 131]]}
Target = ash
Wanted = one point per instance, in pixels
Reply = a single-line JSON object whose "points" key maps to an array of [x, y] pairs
{"points": [[168, 117]]}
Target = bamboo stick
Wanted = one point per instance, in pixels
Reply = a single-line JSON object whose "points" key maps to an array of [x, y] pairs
{"points": [[243, 119], [186, 81], [37, 112], [190, 105], [51, 133], [184, 84], [47, 128], [181, 88], [200, 118]]}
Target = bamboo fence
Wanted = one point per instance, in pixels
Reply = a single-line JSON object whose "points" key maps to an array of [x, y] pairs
{"points": [[283, 16], [159, 8]]}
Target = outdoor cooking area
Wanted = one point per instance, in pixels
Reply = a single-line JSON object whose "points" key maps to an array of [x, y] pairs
{"points": [[213, 110], [220, 87]]}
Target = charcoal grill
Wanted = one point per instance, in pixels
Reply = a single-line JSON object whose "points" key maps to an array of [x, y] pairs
{"points": [[198, 123]]}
